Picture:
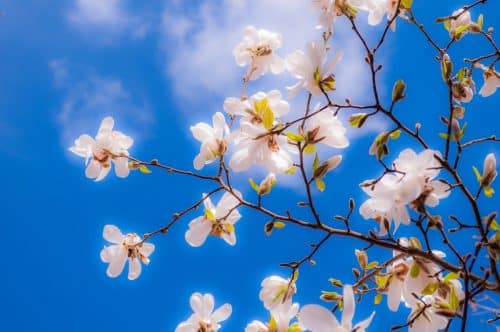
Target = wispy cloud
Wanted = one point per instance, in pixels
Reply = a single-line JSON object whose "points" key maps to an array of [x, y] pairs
{"points": [[108, 17], [198, 44], [88, 97]]}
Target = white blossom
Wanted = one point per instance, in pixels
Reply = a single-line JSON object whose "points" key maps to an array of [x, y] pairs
{"points": [[319, 319], [411, 183], [108, 146], [212, 140], [257, 326], [257, 50], [326, 128], [460, 25], [276, 291], [259, 107], [129, 247], [491, 81], [204, 318], [217, 220], [425, 317], [311, 69]]}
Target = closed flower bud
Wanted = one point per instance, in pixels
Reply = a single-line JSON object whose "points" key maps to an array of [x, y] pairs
{"points": [[489, 170], [267, 184], [362, 258], [327, 166]]}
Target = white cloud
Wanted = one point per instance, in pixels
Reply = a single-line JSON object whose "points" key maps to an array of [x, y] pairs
{"points": [[198, 43], [89, 97], [109, 17]]}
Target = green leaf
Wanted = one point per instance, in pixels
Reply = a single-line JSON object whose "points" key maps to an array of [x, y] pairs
{"points": [[395, 134], [357, 120], [309, 148], [477, 174], [447, 25], [279, 224], [316, 75], [480, 21], [488, 192], [406, 4], [372, 265], [295, 327], [273, 326], [290, 171], [294, 137], [209, 214], [254, 185], [450, 276], [315, 163], [320, 184], [415, 270], [377, 299], [461, 74], [144, 169], [454, 301], [446, 68], [430, 288], [381, 281], [268, 118], [444, 136], [494, 226]]}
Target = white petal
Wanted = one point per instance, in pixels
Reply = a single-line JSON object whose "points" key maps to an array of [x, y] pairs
{"points": [[134, 268], [109, 253], [118, 263], [112, 234], [349, 305], [121, 167], [198, 231], [147, 249], [222, 313], [106, 127], [361, 326], [93, 169], [317, 319]]}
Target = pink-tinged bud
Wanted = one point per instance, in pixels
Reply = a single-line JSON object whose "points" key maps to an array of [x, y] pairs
{"points": [[362, 258], [327, 166], [267, 184], [489, 170]]}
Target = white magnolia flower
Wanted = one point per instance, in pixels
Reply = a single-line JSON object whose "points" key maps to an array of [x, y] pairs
{"points": [[398, 272], [311, 69], [491, 80], [257, 49], [377, 9], [280, 320], [413, 183], [217, 220], [276, 291], [388, 200], [212, 140], [425, 317], [204, 318], [258, 108], [319, 319], [463, 91], [324, 127], [255, 145], [129, 247], [108, 146], [329, 13], [461, 24]]}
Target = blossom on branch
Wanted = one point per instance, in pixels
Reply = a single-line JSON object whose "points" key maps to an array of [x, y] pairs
{"points": [[491, 80], [212, 140], [204, 318], [277, 291], [129, 247], [217, 220], [319, 319], [326, 128], [108, 146], [257, 50], [312, 70]]}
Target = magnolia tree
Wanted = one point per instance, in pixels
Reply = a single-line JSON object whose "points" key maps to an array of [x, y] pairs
{"points": [[439, 290]]}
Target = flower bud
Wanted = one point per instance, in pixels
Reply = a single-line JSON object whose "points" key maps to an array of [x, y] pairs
{"points": [[327, 166], [489, 170], [446, 67], [362, 258], [267, 184], [398, 91]]}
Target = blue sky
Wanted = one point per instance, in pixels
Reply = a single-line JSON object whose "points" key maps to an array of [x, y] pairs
{"points": [[158, 68]]}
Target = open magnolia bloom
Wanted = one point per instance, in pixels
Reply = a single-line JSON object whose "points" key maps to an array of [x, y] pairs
{"points": [[279, 322], [108, 146], [412, 183], [425, 317], [212, 140], [316, 318], [217, 220], [257, 50], [491, 80], [312, 70], [276, 291], [129, 247], [261, 108], [460, 25], [255, 145], [204, 318], [324, 127]]}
